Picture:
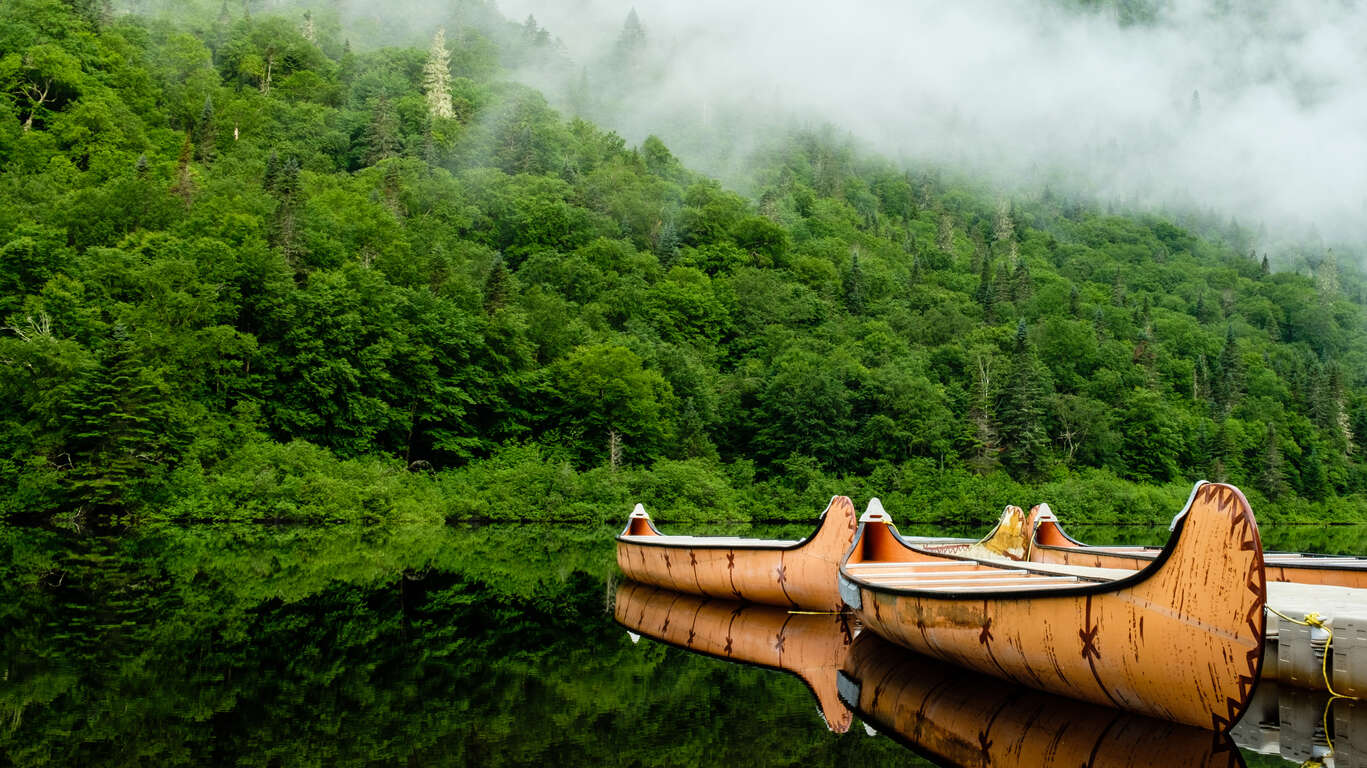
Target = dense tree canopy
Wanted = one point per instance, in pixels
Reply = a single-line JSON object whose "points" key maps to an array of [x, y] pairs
{"points": [[241, 261]]}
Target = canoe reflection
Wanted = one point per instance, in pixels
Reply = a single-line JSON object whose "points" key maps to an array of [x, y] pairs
{"points": [[961, 718], [810, 646]]}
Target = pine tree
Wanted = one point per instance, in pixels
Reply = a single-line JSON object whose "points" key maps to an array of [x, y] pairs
{"points": [[436, 79], [1266, 268], [1073, 301]]}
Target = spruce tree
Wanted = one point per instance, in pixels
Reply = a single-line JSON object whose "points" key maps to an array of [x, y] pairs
{"points": [[854, 286], [112, 428], [383, 139], [1021, 410], [497, 285], [1272, 478]]}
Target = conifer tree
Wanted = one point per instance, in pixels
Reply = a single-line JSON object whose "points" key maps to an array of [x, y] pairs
{"points": [[497, 285], [207, 131], [112, 429], [1272, 478], [383, 140], [1021, 410], [184, 186], [436, 79], [854, 287], [1229, 377]]}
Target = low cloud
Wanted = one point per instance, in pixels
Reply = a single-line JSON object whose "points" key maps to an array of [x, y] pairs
{"points": [[1255, 111]]}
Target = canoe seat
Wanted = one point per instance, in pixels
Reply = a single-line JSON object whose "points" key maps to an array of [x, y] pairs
{"points": [[710, 541], [1037, 582]]}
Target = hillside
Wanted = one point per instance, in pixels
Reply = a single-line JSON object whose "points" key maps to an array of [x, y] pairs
{"points": [[249, 271]]}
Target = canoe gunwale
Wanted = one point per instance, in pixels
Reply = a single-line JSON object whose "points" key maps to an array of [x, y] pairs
{"points": [[1085, 587], [701, 542], [1307, 561]]}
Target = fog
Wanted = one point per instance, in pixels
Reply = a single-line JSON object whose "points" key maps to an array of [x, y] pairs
{"points": [[1255, 111]]}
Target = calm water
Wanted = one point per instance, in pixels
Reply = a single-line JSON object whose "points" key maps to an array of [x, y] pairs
{"points": [[256, 646]]}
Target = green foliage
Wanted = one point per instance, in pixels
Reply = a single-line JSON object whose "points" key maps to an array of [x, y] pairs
{"points": [[233, 244]]}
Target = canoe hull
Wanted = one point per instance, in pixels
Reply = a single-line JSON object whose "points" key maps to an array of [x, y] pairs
{"points": [[800, 575], [1181, 640]]}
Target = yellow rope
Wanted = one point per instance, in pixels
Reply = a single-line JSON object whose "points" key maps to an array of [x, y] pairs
{"points": [[1316, 621]]}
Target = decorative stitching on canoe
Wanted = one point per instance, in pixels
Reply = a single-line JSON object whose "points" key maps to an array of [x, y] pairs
{"points": [[731, 569], [1095, 653], [782, 575]]}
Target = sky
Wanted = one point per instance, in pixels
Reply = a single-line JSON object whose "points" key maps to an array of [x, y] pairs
{"points": [[1257, 114]]}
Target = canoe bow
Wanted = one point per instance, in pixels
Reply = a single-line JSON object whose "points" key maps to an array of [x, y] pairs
{"points": [[1181, 639]]}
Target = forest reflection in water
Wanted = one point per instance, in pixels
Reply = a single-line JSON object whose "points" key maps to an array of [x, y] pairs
{"points": [[350, 646]]}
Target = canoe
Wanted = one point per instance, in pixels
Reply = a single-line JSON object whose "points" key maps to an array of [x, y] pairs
{"points": [[1180, 640], [792, 574], [808, 646], [956, 717], [1046, 542]]}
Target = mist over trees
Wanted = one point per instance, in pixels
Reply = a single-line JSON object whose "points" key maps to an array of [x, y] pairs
{"points": [[258, 266]]}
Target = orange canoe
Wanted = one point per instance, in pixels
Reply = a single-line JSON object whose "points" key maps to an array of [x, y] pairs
{"points": [[792, 574], [1047, 543], [959, 718], [810, 646], [1180, 640]]}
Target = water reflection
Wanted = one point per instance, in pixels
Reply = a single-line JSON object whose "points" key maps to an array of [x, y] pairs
{"points": [[808, 645], [961, 718], [418, 646]]}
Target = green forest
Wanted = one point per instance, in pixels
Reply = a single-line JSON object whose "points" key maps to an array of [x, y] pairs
{"points": [[253, 268]]}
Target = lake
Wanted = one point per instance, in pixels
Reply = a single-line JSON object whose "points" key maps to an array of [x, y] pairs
{"points": [[460, 646]]}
